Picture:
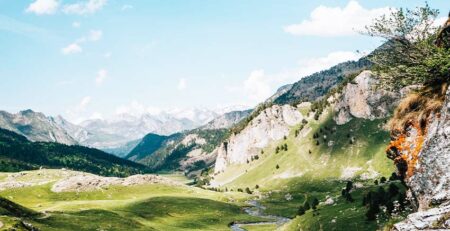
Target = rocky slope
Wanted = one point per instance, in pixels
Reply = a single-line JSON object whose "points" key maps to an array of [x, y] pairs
{"points": [[227, 120], [270, 125], [35, 126], [312, 87], [422, 155], [362, 99], [115, 134], [189, 151]]}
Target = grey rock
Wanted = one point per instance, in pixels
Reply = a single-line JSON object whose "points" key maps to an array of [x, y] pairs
{"points": [[362, 99], [430, 183]]}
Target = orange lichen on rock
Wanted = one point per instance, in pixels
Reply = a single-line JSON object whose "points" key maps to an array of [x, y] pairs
{"points": [[409, 127], [406, 147]]}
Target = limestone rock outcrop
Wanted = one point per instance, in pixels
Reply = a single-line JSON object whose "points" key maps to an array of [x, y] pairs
{"points": [[362, 99], [427, 165], [270, 125]]}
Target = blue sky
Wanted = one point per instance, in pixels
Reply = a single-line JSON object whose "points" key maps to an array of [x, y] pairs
{"points": [[96, 58]]}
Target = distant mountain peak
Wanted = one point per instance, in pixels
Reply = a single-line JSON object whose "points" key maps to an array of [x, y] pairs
{"points": [[35, 126]]}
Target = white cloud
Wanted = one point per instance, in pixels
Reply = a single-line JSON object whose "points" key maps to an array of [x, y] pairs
{"points": [[86, 7], [336, 21], [101, 76], [74, 113], [96, 116], [134, 108], [84, 102], [312, 65], [72, 49], [76, 24], [182, 84], [40, 7], [257, 86], [127, 7], [95, 35]]}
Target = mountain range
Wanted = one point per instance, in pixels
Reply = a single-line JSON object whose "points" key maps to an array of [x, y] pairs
{"points": [[120, 134]]}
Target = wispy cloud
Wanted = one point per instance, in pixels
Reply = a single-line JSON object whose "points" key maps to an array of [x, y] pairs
{"points": [[41, 7], [95, 35], [182, 84], [101, 76], [76, 112], [336, 21], [76, 24], [14, 26], [75, 47], [72, 48], [259, 85], [85, 7], [126, 7]]}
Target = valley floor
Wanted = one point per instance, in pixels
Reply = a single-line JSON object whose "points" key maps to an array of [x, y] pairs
{"points": [[158, 206]]}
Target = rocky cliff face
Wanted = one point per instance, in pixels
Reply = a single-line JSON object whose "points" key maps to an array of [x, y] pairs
{"points": [[270, 125], [422, 155], [362, 99], [35, 126], [227, 120]]}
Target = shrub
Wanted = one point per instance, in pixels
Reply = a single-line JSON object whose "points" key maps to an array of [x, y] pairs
{"points": [[315, 203], [306, 205], [349, 186], [393, 177], [301, 211], [410, 56]]}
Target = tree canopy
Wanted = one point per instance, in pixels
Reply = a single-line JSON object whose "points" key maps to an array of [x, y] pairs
{"points": [[409, 55]]}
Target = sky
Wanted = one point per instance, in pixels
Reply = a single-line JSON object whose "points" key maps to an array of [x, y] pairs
{"points": [[85, 59]]}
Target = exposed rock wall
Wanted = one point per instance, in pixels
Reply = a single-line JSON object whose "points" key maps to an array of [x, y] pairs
{"points": [[424, 155], [227, 120], [362, 99], [271, 124], [35, 126]]}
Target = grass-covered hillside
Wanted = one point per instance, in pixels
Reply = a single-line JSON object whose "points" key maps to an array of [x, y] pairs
{"points": [[17, 154], [140, 207], [315, 162]]}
